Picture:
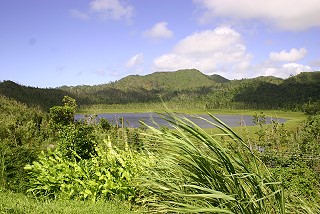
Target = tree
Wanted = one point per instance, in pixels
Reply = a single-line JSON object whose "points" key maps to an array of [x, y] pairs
{"points": [[75, 139], [63, 115]]}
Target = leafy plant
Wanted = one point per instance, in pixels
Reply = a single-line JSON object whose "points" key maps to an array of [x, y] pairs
{"points": [[109, 174]]}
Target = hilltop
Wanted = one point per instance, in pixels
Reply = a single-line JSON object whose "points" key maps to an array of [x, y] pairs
{"points": [[188, 79]]}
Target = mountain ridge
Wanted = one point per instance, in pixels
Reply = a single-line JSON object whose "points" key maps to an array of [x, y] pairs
{"points": [[182, 86]]}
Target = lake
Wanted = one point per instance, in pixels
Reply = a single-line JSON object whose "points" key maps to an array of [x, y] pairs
{"points": [[132, 119]]}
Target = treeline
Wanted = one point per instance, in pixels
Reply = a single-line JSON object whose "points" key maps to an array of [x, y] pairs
{"points": [[190, 88]]}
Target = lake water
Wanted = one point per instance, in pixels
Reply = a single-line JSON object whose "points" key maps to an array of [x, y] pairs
{"points": [[133, 119]]}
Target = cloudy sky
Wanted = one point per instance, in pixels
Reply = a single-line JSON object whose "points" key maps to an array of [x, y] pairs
{"points": [[86, 42]]}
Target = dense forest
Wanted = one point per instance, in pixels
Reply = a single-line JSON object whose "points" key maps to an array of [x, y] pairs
{"points": [[53, 160], [182, 87]]}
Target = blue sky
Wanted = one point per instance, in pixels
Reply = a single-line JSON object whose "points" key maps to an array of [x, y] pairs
{"points": [[86, 42]]}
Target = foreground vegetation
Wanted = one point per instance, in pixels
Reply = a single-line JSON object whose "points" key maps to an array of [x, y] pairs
{"points": [[50, 163]]}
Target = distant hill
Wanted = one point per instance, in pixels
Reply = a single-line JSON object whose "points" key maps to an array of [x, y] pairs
{"points": [[187, 88]]}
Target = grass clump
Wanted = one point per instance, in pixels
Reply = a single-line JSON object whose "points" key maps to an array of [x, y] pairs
{"points": [[197, 172]]}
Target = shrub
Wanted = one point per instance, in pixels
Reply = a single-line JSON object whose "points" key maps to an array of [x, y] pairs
{"points": [[63, 115], [312, 108]]}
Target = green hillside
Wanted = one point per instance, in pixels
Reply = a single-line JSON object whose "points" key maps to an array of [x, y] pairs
{"points": [[305, 78], [32, 96], [289, 93]]}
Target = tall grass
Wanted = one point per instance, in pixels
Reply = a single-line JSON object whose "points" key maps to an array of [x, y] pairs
{"points": [[198, 172]]}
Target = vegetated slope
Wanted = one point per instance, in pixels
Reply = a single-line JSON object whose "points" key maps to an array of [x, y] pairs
{"points": [[11, 107], [19, 140], [45, 98], [290, 93]]}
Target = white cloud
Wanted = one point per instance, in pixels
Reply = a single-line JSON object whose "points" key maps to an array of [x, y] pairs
{"points": [[159, 31], [135, 60], [78, 14], [285, 14], [114, 9], [208, 41], [295, 68], [282, 71], [105, 9], [292, 56], [212, 51]]}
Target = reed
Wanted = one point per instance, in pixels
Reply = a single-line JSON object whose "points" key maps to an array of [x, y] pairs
{"points": [[198, 172]]}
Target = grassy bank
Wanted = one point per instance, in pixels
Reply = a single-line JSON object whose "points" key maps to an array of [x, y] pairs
{"points": [[20, 203]]}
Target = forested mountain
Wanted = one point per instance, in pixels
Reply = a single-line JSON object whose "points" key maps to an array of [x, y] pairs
{"points": [[185, 87]]}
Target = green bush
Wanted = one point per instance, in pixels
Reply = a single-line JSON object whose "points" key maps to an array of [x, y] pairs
{"points": [[299, 180], [311, 136], [312, 108], [77, 141], [109, 174], [293, 158]]}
